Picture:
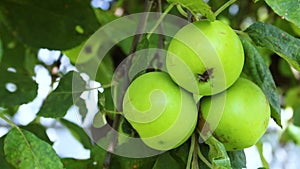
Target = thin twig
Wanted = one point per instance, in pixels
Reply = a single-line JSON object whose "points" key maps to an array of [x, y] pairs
{"points": [[160, 19], [136, 39], [191, 152], [141, 25], [116, 123], [161, 42], [113, 141], [161, 39]]}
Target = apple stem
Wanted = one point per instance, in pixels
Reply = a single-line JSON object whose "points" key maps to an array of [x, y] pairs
{"points": [[195, 152], [223, 7], [202, 158], [181, 11], [191, 151], [195, 164]]}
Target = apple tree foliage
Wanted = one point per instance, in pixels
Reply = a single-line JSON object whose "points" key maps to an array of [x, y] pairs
{"points": [[269, 31]]}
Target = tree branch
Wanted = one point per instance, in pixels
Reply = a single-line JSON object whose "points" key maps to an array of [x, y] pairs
{"points": [[161, 41], [116, 123]]}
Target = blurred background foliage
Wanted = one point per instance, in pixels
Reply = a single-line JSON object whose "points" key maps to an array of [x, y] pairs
{"points": [[28, 26]]}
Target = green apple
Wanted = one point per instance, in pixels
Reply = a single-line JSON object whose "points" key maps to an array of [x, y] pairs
{"points": [[163, 114], [242, 117], [205, 57]]}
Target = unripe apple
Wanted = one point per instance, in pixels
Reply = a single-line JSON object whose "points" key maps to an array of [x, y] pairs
{"points": [[205, 57], [163, 114], [241, 114]]}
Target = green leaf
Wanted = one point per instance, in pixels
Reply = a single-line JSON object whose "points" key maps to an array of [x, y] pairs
{"points": [[16, 88], [78, 133], [15, 54], [126, 129], [259, 147], [82, 107], [119, 162], [125, 44], [291, 98], [26, 151], [99, 120], [105, 17], [64, 96], [38, 130], [85, 57], [256, 69], [70, 163], [1, 50], [290, 9], [3, 163], [166, 161], [16, 57], [203, 150], [98, 156], [49, 24], [181, 153], [296, 115], [280, 42], [198, 6], [104, 71], [285, 25], [285, 70], [109, 103], [217, 153], [291, 133], [237, 159]]}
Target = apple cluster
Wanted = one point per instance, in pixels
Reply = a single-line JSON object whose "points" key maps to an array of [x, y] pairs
{"points": [[205, 60]]}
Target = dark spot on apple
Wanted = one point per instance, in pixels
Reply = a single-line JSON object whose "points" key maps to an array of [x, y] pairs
{"points": [[204, 77], [222, 138], [88, 49], [234, 149], [161, 142]]}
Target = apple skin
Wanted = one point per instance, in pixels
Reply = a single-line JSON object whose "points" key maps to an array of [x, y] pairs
{"points": [[245, 117], [205, 57], [163, 114]]}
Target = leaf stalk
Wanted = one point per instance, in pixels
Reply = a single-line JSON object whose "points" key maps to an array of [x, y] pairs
{"points": [[223, 7]]}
